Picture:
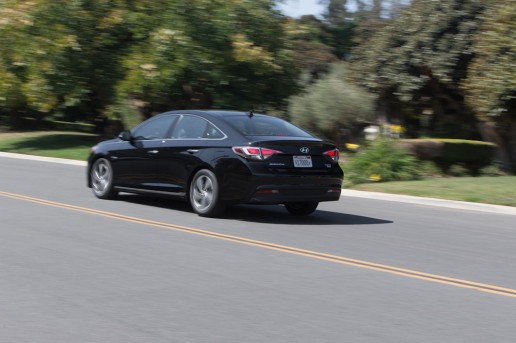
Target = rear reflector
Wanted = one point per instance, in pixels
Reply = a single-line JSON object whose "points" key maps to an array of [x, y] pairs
{"points": [[267, 191]]}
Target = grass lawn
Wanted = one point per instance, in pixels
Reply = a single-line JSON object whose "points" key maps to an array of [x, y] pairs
{"points": [[498, 190], [49, 143]]}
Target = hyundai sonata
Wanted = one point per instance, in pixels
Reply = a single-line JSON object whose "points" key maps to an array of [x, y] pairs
{"points": [[216, 158]]}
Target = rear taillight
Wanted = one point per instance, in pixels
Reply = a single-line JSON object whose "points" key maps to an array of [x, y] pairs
{"points": [[333, 154], [255, 153]]}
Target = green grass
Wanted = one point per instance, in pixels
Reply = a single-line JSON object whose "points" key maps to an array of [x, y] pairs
{"points": [[498, 190], [51, 144]]}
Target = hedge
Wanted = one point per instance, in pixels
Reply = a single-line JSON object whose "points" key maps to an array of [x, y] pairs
{"points": [[474, 155]]}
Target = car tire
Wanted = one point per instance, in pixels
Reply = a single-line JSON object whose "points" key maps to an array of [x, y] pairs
{"points": [[301, 208], [101, 178], [204, 194]]}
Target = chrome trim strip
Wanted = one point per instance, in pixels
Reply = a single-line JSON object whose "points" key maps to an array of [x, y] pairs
{"points": [[139, 190]]}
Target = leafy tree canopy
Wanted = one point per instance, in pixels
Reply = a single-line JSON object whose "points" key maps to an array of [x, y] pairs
{"points": [[210, 53], [64, 56], [429, 40], [309, 40], [422, 57], [491, 82], [82, 58]]}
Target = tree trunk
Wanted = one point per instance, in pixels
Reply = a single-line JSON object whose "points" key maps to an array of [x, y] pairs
{"points": [[511, 139], [489, 134]]}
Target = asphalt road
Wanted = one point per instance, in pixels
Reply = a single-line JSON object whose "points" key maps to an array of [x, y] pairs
{"points": [[77, 269]]}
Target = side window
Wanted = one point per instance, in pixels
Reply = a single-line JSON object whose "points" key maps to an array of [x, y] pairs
{"points": [[193, 127], [154, 128], [212, 132]]}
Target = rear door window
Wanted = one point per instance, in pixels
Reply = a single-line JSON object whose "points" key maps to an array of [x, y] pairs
{"points": [[156, 128], [194, 127]]}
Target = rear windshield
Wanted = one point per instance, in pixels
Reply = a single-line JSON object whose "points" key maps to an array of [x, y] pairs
{"points": [[264, 126]]}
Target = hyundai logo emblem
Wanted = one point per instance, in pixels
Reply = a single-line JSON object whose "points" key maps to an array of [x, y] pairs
{"points": [[304, 150]]}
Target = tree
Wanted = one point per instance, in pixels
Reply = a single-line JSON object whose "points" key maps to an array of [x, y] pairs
{"points": [[65, 56], [491, 83], [336, 12], [417, 62], [378, 9], [332, 103], [209, 54], [339, 26], [10, 86], [78, 59], [308, 38]]}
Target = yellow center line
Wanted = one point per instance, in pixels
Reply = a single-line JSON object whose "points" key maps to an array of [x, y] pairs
{"points": [[509, 292]]}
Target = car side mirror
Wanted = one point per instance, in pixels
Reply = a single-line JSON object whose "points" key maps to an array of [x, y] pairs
{"points": [[125, 135]]}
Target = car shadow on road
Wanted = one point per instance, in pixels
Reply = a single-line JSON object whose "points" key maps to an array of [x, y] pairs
{"points": [[277, 214], [267, 214]]}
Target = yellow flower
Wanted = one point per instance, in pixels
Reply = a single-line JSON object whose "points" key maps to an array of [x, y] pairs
{"points": [[396, 128], [375, 177], [351, 146]]}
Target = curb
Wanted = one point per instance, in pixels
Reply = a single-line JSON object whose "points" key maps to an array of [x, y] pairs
{"points": [[462, 205], [43, 159]]}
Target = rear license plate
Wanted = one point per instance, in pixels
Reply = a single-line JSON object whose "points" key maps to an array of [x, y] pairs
{"points": [[303, 161]]}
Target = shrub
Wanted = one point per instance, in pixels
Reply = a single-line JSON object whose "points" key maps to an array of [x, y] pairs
{"points": [[473, 155], [429, 169], [382, 161], [492, 170], [334, 101], [458, 170]]}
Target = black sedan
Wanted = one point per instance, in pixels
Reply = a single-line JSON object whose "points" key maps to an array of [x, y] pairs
{"points": [[217, 158]]}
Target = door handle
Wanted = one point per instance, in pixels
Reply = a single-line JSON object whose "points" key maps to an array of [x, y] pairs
{"points": [[192, 151], [153, 152]]}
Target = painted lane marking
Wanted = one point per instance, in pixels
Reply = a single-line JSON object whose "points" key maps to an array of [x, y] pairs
{"points": [[509, 292]]}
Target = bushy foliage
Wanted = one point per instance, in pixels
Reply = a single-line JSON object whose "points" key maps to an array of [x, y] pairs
{"points": [[383, 160], [88, 57], [332, 102], [492, 170], [430, 40], [491, 83], [65, 56], [446, 153], [418, 61], [429, 169], [440, 67], [210, 53], [309, 40], [458, 170]]}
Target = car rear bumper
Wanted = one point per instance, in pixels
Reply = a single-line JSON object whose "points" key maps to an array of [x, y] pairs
{"points": [[277, 189], [274, 194]]}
